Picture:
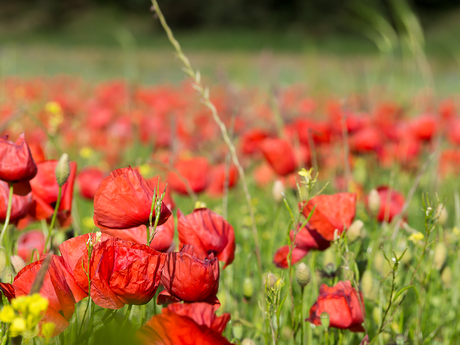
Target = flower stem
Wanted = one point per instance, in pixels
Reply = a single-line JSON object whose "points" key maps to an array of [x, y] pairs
{"points": [[8, 212], [53, 220]]}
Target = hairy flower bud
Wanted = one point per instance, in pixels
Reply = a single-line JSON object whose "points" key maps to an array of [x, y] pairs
{"points": [[62, 170], [17, 263], [278, 190], [446, 277], [442, 214], [248, 288], [247, 341], [373, 201], [440, 255], [237, 329], [325, 321], [354, 231], [270, 279], [303, 275], [367, 284]]}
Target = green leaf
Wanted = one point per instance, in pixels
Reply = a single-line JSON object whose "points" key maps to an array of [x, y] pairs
{"points": [[400, 291]]}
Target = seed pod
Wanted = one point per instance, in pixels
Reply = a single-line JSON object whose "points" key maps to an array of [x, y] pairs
{"points": [[270, 279], [373, 202], [17, 263], [325, 321], [440, 255], [278, 190], [354, 231], [247, 341], [303, 275], [446, 277], [248, 288], [62, 170], [442, 214], [367, 284], [237, 329]]}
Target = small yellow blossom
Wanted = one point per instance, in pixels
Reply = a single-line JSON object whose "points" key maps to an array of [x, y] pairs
{"points": [[145, 169], [200, 204], [88, 222], [53, 108], [18, 326], [7, 314], [86, 152], [48, 329], [416, 237]]}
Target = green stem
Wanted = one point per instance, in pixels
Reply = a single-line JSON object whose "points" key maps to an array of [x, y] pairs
{"points": [[128, 312], [8, 212], [53, 220], [301, 315]]}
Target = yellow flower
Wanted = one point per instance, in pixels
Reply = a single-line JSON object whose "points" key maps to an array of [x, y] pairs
{"points": [[17, 326], [200, 204], [86, 152], [88, 222], [20, 304], [416, 237], [37, 304], [145, 170], [7, 314], [53, 108], [48, 329]]}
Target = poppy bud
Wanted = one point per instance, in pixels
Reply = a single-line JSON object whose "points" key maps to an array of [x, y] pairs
{"points": [[270, 280], [248, 288], [440, 255], [62, 169], [278, 190], [2, 259], [446, 277], [442, 214], [237, 329], [17, 263], [329, 256], [354, 231], [303, 275], [247, 341], [377, 315], [325, 321], [374, 201], [367, 284], [400, 339]]}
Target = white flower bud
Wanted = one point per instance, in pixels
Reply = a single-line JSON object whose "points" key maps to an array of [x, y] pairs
{"points": [[278, 190]]}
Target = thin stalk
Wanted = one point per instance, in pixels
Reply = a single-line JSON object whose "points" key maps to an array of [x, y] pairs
{"points": [[53, 220], [8, 212]]}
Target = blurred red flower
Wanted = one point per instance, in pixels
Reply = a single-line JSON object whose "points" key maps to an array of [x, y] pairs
{"points": [[250, 141], [279, 153], [16, 164], [221, 175], [88, 180], [391, 203], [20, 204], [342, 304], [124, 200], [194, 170], [31, 242], [208, 232], [185, 324], [332, 212], [187, 278]]}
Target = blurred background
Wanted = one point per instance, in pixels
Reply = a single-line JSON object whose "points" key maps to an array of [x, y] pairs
{"points": [[260, 42]]}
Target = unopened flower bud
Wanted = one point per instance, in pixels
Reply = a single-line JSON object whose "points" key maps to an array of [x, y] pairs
{"points": [[400, 339], [367, 282], [325, 322], [2, 259], [354, 231], [446, 277], [442, 214], [278, 190], [17, 263], [248, 288], [329, 256], [373, 201], [440, 255], [237, 329], [270, 280], [377, 315], [303, 275], [62, 169], [247, 341]]}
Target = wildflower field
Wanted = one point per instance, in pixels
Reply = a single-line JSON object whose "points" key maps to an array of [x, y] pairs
{"points": [[316, 205]]}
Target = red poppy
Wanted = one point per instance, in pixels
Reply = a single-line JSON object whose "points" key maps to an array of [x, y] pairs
{"points": [[185, 324], [162, 242], [124, 200], [56, 289], [187, 278], [391, 203], [279, 153], [332, 212], [194, 170], [307, 239], [19, 207], [45, 192], [263, 175], [220, 175], [31, 242], [424, 127], [88, 180], [17, 164], [366, 140], [37, 153], [342, 304], [251, 140], [208, 232], [124, 273]]}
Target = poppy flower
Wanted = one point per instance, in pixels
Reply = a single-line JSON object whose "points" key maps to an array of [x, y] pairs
{"points": [[187, 278], [342, 304], [19, 207], [45, 190], [124, 200], [307, 239], [17, 164], [391, 203], [185, 324], [31, 242], [162, 241], [124, 273], [424, 127], [220, 175], [279, 153], [194, 170], [366, 140], [332, 212], [56, 289], [251, 140], [88, 180], [208, 232]]}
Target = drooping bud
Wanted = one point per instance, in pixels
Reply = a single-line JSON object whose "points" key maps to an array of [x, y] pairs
{"points": [[367, 284], [270, 279], [17, 263], [325, 321], [248, 288], [373, 202], [247, 341], [303, 275], [446, 277], [354, 231], [62, 169], [442, 214], [237, 329], [278, 190], [440, 255]]}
